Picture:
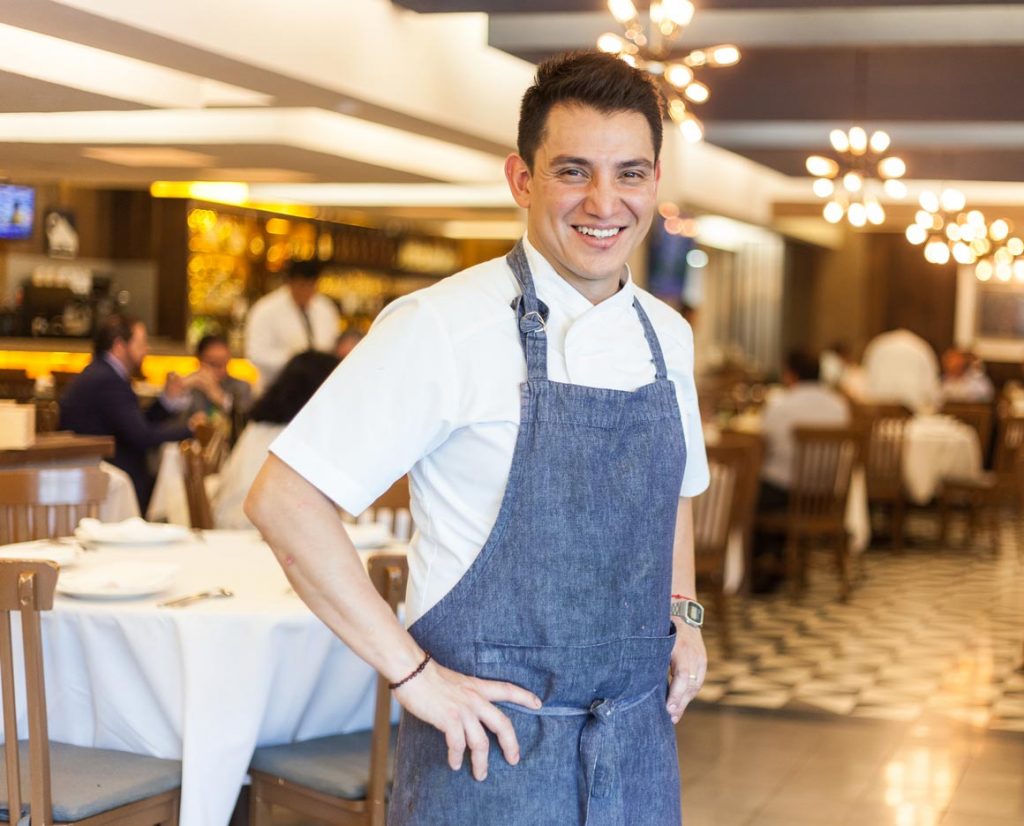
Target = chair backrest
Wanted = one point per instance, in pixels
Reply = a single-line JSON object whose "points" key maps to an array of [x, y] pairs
{"points": [[1011, 441], [15, 384], [194, 469], [823, 464], [392, 509], [389, 574], [715, 510], [215, 444], [47, 415], [978, 416], [26, 586], [883, 426], [43, 503]]}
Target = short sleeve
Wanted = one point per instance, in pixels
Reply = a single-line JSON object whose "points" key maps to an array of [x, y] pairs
{"points": [[696, 476], [389, 403]]}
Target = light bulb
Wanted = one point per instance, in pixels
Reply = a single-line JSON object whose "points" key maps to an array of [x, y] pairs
{"points": [[823, 187], [929, 200], [953, 232], [724, 55], [962, 253], [879, 142], [1004, 271], [876, 215], [895, 188], [976, 217], [697, 92], [952, 200], [1015, 246], [679, 12], [983, 270], [857, 214], [923, 219], [858, 141], [622, 10], [892, 167], [833, 212], [936, 252], [610, 43], [678, 75], [822, 167], [998, 230], [677, 110], [839, 141], [916, 234], [692, 129], [981, 246], [853, 182], [1018, 270], [1002, 256]]}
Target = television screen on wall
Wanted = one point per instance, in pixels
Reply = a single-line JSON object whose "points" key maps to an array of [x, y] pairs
{"points": [[17, 211]]}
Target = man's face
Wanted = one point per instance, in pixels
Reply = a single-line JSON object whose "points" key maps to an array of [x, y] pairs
{"points": [[303, 290], [215, 360], [136, 349], [591, 194]]}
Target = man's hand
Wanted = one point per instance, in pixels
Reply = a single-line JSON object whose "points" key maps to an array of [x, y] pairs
{"points": [[175, 386], [461, 707], [689, 665]]}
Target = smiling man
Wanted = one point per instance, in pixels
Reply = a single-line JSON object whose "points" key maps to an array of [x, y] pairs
{"points": [[545, 409]]}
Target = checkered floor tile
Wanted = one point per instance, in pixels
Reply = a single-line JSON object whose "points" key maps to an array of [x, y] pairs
{"points": [[927, 631]]}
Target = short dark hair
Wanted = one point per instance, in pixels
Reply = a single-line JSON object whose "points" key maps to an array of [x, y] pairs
{"points": [[115, 326], [803, 365], [588, 78], [294, 386], [308, 270], [208, 341]]}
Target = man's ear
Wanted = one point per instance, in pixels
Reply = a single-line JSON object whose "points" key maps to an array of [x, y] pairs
{"points": [[517, 173]]}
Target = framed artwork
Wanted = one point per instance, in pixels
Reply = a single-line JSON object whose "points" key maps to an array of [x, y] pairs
{"points": [[990, 317]]}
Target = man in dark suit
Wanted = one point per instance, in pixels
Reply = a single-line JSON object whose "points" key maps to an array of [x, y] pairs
{"points": [[101, 402]]}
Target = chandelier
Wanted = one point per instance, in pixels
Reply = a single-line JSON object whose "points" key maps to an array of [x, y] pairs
{"points": [[946, 231], [652, 50], [847, 180]]}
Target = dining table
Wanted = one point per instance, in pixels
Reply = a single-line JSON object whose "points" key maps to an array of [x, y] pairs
{"points": [[937, 447], [206, 680]]}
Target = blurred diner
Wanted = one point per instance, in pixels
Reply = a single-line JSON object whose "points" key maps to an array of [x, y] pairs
{"points": [[964, 378]]}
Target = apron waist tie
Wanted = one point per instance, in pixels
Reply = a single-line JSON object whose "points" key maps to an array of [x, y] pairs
{"points": [[592, 740]]}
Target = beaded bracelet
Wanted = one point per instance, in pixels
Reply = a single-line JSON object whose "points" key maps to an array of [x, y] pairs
{"points": [[416, 673]]}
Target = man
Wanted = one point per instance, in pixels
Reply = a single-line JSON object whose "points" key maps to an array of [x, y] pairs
{"points": [[964, 378], [900, 367], [545, 408], [806, 402], [292, 318], [101, 402], [211, 389]]}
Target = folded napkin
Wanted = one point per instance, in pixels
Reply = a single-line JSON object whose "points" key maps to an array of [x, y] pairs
{"points": [[129, 532], [370, 535], [63, 555]]}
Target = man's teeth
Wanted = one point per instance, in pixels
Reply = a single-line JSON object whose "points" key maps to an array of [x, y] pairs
{"points": [[598, 233]]}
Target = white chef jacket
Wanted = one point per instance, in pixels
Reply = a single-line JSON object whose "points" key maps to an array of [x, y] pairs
{"points": [[805, 404], [433, 390], [901, 367], [275, 331]]}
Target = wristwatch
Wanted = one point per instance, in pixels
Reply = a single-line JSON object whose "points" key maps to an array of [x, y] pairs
{"points": [[689, 611]]}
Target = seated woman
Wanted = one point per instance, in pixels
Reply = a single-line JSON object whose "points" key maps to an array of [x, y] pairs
{"points": [[293, 387]]}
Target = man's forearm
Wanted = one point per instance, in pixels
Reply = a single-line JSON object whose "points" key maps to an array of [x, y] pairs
{"points": [[683, 575], [308, 537]]}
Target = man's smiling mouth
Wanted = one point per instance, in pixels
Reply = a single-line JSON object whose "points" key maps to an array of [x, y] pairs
{"points": [[597, 232]]}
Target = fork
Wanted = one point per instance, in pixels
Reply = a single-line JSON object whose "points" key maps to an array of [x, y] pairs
{"points": [[181, 602]]}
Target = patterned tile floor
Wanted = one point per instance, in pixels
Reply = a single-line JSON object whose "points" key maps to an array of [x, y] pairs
{"points": [[929, 632]]}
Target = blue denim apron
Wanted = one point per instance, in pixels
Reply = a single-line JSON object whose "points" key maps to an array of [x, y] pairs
{"points": [[569, 597]]}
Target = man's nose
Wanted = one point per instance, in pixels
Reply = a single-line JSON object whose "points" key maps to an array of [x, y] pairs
{"points": [[602, 197]]}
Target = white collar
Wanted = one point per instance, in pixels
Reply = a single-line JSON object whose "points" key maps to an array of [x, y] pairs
{"points": [[554, 290]]}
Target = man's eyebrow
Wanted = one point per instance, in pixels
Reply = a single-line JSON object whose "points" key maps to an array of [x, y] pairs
{"points": [[644, 162], [575, 160]]}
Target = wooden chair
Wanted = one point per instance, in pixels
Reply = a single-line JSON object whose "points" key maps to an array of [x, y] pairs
{"points": [[194, 470], [214, 443], [341, 779], [47, 415], [392, 509], [883, 426], [748, 484], [823, 465], [978, 416], [66, 784], [715, 514], [44, 503], [987, 493], [16, 385]]}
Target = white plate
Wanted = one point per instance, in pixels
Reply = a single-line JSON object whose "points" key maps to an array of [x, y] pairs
{"points": [[369, 535], [64, 555], [130, 532], [120, 580]]}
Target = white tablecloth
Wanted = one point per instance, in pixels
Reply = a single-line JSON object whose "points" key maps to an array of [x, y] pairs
{"points": [[205, 683], [935, 447]]}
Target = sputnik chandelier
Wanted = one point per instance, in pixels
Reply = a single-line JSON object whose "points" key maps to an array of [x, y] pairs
{"points": [[946, 231], [652, 50], [847, 180]]}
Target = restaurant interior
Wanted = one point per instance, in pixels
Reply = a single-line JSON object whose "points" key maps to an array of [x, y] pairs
{"points": [[840, 208]]}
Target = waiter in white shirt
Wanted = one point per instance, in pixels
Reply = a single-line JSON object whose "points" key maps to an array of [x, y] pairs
{"points": [[900, 367], [292, 318], [545, 408]]}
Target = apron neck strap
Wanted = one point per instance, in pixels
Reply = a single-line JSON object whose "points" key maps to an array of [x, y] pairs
{"points": [[532, 315]]}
